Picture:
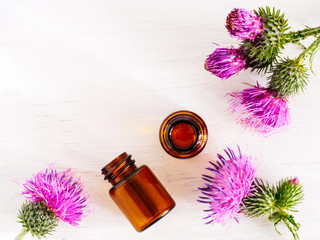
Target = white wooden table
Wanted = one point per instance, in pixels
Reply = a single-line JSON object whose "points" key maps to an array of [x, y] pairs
{"points": [[83, 81]]}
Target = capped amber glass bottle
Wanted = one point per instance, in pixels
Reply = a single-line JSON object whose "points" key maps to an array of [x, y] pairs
{"points": [[137, 192]]}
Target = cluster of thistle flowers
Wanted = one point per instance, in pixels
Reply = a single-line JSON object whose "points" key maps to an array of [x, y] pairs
{"points": [[263, 34], [233, 188], [52, 196]]}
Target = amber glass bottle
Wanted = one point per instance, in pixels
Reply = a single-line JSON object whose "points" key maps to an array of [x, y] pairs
{"points": [[183, 134], [137, 192]]}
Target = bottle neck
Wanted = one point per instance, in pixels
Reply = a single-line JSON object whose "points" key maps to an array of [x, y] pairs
{"points": [[119, 168]]}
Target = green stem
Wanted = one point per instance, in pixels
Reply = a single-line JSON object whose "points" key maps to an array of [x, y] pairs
{"points": [[287, 219], [301, 34], [292, 229], [23, 232], [309, 50]]}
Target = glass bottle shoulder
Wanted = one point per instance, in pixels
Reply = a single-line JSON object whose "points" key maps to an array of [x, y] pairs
{"points": [[129, 177]]}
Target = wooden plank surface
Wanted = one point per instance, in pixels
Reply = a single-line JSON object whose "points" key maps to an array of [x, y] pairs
{"points": [[83, 81]]}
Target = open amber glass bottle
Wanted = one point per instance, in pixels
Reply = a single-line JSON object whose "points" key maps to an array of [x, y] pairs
{"points": [[137, 192], [183, 134]]}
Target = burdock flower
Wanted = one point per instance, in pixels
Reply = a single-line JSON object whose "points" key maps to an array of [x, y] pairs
{"points": [[232, 181], [262, 52], [260, 110], [244, 24], [52, 196], [277, 202], [294, 181], [289, 77], [225, 62]]}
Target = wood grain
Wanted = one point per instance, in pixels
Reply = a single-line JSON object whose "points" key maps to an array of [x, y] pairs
{"points": [[83, 81]]}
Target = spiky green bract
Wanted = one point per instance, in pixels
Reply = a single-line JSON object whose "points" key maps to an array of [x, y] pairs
{"points": [[263, 51], [276, 202], [289, 77], [288, 194], [262, 201], [36, 218]]}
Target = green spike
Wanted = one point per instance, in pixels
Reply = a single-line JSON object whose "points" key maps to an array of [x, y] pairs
{"points": [[289, 77], [36, 219], [277, 202], [262, 53]]}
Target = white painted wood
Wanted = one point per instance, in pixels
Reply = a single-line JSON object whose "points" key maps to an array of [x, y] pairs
{"points": [[82, 81]]}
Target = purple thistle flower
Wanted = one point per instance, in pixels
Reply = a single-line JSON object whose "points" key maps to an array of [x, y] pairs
{"points": [[225, 62], [61, 193], [260, 110], [294, 181], [244, 24], [231, 183]]}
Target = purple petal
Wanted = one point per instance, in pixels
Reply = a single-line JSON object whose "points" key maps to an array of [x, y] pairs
{"points": [[260, 110], [62, 194], [244, 24], [233, 183], [225, 62]]}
